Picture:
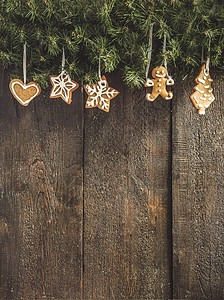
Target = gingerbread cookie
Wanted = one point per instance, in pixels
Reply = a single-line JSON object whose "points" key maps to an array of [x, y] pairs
{"points": [[202, 96], [24, 93], [100, 94], [63, 86], [159, 84]]}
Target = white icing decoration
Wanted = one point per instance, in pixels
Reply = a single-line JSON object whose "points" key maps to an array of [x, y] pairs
{"points": [[210, 90], [25, 87], [149, 82], [169, 97], [200, 105], [196, 100], [206, 105], [211, 80], [206, 74], [202, 98], [159, 79], [201, 112], [207, 86], [96, 93], [205, 77], [170, 81], [157, 75], [159, 90], [159, 84], [206, 95], [201, 80], [211, 99], [200, 91], [148, 97], [62, 86]]}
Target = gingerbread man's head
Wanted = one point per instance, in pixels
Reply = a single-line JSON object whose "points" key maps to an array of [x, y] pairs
{"points": [[159, 72]]}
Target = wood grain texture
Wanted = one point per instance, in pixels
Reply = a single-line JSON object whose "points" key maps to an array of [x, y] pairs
{"points": [[126, 187], [198, 196], [127, 196], [41, 197]]}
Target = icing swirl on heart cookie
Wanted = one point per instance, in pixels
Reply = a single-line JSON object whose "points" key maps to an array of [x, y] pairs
{"points": [[24, 93]]}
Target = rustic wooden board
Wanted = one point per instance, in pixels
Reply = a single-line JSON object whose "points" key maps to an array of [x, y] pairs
{"points": [[198, 196], [127, 198], [127, 246], [41, 211]]}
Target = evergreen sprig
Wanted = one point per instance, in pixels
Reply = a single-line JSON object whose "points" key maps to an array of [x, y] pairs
{"points": [[114, 31]]}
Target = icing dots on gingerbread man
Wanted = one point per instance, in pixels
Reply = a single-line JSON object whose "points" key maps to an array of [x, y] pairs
{"points": [[158, 84]]}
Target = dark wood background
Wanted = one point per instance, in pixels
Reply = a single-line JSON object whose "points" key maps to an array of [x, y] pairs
{"points": [[120, 205]]}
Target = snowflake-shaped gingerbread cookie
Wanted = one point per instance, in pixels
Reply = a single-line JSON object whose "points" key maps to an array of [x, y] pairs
{"points": [[100, 94], [63, 86]]}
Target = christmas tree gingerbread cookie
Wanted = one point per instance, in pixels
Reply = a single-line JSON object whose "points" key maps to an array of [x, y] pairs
{"points": [[159, 84], [202, 96]]}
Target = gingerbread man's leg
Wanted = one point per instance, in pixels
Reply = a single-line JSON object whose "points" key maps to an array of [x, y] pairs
{"points": [[151, 97], [167, 95]]}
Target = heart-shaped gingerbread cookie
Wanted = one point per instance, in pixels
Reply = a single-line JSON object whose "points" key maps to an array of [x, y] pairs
{"points": [[24, 94]]}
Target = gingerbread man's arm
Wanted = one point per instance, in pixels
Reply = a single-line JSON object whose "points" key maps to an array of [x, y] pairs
{"points": [[149, 83], [170, 81]]}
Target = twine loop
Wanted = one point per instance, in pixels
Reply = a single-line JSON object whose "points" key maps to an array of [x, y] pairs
{"points": [[149, 51], [24, 63], [99, 69], [208, 57], [63, 60], [164, 51]]}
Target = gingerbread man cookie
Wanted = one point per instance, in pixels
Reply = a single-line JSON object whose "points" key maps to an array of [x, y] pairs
{"points": [[159, 84]]}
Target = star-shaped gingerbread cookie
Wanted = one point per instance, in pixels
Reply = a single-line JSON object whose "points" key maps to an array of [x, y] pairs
{"points": [[100, 94], [63, 86]]}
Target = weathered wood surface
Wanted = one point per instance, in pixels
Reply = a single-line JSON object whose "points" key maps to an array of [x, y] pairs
{"points": [[41, 197], [198, 196], [127, 198], [87, 212]]}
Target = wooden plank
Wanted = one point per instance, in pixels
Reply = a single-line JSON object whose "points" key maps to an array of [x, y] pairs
{"points": [[198, 193], [127, 184], [41, 200]]}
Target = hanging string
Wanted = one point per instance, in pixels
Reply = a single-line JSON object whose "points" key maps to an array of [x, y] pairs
{"points": [[149, 56], [164, 51], [99, 70], [63, 60], [202, 54], [208, 58], [24, 63]]}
